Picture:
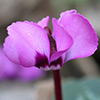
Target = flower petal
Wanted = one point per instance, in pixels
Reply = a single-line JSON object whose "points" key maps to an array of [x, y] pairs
{"points": [[7, 68], [29, 74], [10, 50], [44, 22], [29, 40], [84, 36], [62, 38]]}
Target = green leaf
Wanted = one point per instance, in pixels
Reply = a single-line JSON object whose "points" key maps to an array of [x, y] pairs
{"points": [[91, 88], [84, 89], [72, 91]]}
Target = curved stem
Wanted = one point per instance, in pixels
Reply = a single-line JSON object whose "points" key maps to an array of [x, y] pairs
{"points": [[57, 83]]}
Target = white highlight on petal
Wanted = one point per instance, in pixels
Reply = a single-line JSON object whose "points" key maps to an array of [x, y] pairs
{"points": [[47, 68], [29, 34], [53, 67]]}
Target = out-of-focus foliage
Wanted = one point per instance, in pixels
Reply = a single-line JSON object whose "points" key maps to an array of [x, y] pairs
{"points": [[68, 4], [84, 89]]}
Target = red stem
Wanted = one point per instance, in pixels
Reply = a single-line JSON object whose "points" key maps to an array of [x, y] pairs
{"points": [[57, 83]]}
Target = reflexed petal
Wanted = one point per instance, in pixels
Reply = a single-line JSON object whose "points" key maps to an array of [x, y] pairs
{"points": [[84, 36], [44, 22], [29, 39], [56, 55], [62, 38]]}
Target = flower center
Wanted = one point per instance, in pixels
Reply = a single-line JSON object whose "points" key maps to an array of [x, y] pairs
{"points": [[52, 42], [42, 61]]}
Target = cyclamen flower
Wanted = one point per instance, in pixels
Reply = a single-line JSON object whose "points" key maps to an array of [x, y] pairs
{"points": [[33, 44], [10, 70]]}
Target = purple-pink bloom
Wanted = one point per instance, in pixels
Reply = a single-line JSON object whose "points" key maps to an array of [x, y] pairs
{"points": [[33, 44], [10, 70]]}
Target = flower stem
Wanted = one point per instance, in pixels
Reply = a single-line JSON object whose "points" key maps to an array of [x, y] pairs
{"points": [[57, 83]]}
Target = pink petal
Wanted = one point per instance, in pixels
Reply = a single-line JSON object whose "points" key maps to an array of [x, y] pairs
{"points": [[7, 68], [29, 74], [56, 55], [10, 50], [28, 39], [62, 38], [84, 36], [44, 22]]}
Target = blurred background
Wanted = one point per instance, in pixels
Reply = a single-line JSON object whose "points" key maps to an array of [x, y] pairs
{"points": [[24, 87]]}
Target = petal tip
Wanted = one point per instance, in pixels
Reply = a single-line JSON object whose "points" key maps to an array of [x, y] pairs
{"points": [[53, 19], [72, 11], [47, 17], [44, 22]]}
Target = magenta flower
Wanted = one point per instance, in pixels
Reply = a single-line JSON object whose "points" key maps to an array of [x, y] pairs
{"points": [[9, 69], [33, 44]]}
